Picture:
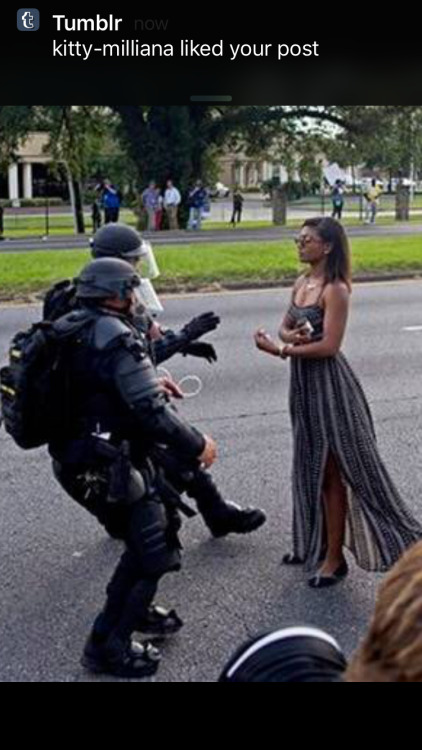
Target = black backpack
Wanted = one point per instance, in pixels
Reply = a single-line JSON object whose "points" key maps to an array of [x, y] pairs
{"points": [[60, 300], [33, 387]]}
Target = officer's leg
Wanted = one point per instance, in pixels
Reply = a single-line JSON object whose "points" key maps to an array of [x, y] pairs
{"points": [[220, 516], [152, 552], [92, 497], [109, 648]]}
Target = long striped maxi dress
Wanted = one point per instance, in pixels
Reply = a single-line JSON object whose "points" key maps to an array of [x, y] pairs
{"points": [[330, 413]]}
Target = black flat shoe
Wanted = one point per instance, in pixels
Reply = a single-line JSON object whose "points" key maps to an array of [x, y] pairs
{"points": [[322, 582], [292, 559]]}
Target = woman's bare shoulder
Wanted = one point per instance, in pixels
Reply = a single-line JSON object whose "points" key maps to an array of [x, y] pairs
{"points": [[337, 290]]}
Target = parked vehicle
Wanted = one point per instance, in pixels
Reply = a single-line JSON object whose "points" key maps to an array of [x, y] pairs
{"points": [[219, 190]]}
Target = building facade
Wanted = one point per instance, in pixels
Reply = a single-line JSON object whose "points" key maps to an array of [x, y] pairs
{"points": [[29, 175]]}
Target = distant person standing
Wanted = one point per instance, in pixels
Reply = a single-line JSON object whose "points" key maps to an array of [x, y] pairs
{"points": [[159, 213], [372, 199], [172, 200], [197, 201], [111, 200], [237, 206], [96, 215], [151, 202], [1, 222], [337, 197]]}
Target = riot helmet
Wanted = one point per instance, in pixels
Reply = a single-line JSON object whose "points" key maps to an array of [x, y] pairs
{"points": [[117, 241], [105, 278]]}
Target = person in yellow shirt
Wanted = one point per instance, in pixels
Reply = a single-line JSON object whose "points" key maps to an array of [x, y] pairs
{"points": [[372, 195]]}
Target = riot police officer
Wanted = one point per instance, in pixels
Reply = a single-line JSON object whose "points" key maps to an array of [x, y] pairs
{"points": [[116, 412], [220, 516], [121, 241]]}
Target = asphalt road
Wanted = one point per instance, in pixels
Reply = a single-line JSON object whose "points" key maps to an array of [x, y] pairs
{"points": [[55, 562]]}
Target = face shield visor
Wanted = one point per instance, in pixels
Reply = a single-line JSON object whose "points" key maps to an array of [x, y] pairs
{"points": [[147, 260], [146, 296]]}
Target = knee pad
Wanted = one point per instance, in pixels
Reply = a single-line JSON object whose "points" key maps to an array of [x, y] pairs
{"points": [[152, 540]]}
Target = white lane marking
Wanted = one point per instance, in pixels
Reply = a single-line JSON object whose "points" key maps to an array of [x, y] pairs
{"points": [[412, 328]]}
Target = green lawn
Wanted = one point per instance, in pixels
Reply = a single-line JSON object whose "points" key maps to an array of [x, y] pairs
{"points": [[348, 221], [34, 226], [198, 265], [58, 224]]}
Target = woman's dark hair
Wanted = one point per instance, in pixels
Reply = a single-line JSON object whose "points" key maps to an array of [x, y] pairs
{"points": [[338, 267]]}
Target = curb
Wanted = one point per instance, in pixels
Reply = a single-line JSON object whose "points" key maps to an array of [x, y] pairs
{"points": [[216, 287]]}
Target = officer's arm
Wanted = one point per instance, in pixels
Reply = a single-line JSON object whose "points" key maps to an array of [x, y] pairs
{"points": [[140, 389], [171, 343]]}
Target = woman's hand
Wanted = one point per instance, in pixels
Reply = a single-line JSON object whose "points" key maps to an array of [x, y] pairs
{"points": [[265, 343], [297, 336]]}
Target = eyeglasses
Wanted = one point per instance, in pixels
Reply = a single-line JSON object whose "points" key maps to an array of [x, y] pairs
{"points": [[303, 241]]}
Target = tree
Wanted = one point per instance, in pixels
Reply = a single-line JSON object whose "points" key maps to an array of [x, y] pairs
{"points": [[75, 134], [181, 142], [15, 124], [391, 141]]}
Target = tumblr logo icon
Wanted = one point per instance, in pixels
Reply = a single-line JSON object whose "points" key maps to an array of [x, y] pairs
{"points": [[28, 19]]}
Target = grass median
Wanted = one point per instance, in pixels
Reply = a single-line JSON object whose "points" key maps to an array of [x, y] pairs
{"points": [[62, 226], [198, 266]]}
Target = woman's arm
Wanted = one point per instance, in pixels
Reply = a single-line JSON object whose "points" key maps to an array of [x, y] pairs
{"points": [[288, 334], [336, 304]]}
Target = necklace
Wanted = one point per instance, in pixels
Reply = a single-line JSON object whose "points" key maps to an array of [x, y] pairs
{"points": [[312, 284]]}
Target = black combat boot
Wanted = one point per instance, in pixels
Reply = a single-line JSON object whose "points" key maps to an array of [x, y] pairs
{"points": [[110, 649], [236, 520], [221, 517], [159, 622], [129, 659]]}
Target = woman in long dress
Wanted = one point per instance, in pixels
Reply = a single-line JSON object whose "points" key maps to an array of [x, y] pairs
{"points": [[343, 495]]}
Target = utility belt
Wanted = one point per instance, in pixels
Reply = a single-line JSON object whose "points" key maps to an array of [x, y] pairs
{"points": [[107, 468]]}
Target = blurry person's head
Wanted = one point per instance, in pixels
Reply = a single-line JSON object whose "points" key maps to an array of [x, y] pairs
{"points": [[118, 241], [392, 649], [323, 240], [169, 183], [299, 654], [152, 185]]}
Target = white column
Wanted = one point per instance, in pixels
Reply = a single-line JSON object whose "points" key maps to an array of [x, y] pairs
{"points": [[13, 182], [27, 180], [242, 175]]}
